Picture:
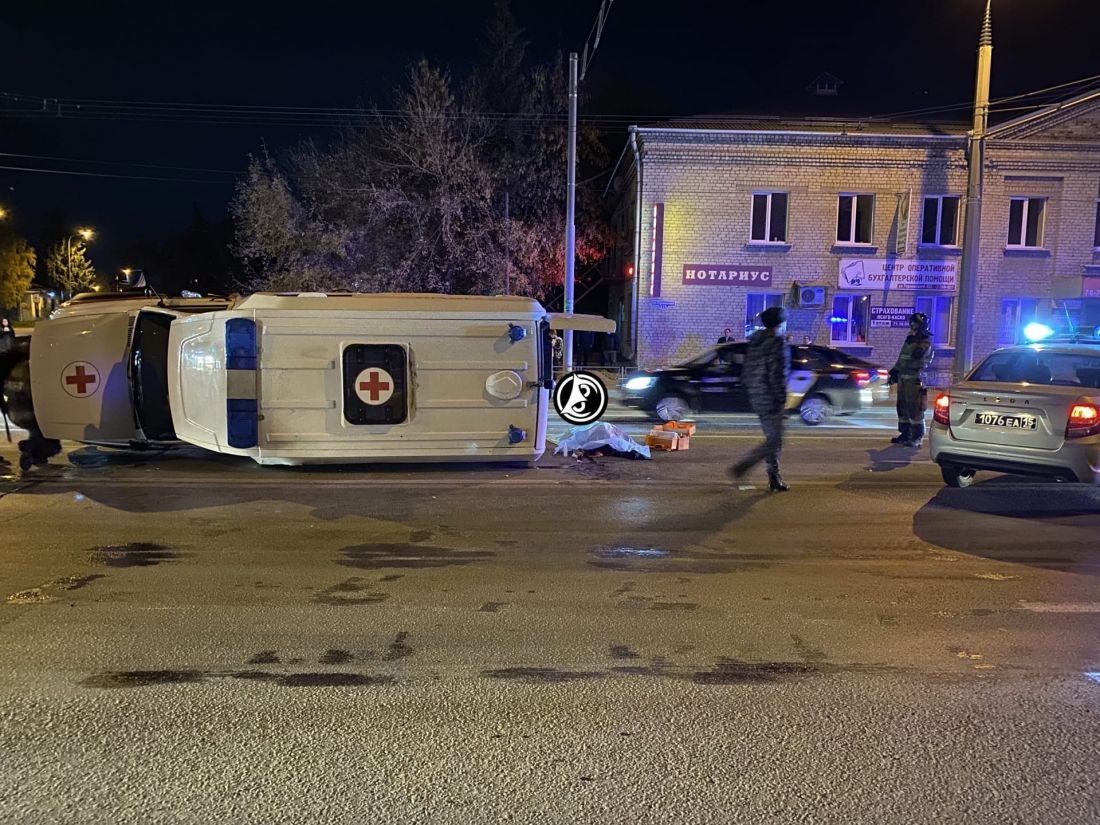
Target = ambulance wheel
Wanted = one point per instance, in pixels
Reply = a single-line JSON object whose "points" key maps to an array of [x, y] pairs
{"points": [[673, 408], [816, 410], [956, 476]]}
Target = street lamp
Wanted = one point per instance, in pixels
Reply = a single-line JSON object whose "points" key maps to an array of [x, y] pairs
{"points": [[571, 172]]}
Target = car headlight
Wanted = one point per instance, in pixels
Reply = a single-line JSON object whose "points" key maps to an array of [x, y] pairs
{"points": [[642, 382]]}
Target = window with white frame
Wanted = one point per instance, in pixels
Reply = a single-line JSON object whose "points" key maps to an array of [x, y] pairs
{"points": [[938, 310], [848, 323], [1016, 313], [769, 217], [940, 222], [1026, 220], [757, 302], [1096, 231], [854, 218]]}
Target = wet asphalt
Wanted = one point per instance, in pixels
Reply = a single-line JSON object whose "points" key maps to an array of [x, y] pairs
{"points": [[191, 638]]}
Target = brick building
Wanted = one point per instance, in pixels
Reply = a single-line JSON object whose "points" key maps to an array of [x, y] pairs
{"points": [[852, 225]]}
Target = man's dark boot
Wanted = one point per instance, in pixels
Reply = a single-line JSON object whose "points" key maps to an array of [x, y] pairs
{"points": [[916, 436], [776, 484], [903, 433], [739, 469]]}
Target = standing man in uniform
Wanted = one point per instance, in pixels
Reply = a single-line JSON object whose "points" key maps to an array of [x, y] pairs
{"points": [[726, 337], [765, 373], [915, 357]]}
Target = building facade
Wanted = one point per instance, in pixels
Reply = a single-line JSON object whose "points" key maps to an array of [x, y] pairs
{"points": [[852, 226]]}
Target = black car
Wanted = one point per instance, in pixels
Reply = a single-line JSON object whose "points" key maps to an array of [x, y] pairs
{"points": [[824, 381]]}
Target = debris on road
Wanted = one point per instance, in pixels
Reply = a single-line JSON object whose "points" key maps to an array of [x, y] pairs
{"points": [[675, 435]]}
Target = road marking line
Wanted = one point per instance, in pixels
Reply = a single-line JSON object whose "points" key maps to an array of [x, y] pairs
{"points": [[1061, 607]]}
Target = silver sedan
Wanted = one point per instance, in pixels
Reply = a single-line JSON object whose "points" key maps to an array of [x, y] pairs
{"points": [[1031, 410]]}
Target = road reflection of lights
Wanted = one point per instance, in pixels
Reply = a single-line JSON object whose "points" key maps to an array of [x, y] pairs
{"points": [[632, 508], [637, 552], [1093, 677]]}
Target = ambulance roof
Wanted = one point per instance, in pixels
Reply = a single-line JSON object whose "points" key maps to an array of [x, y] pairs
{"points": [[391, 302]]}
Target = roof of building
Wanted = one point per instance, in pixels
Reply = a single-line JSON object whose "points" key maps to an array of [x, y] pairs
{"points": [[823, 125]]}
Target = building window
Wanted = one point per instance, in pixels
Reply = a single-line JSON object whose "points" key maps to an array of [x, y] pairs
{"points": [[848, 323], [757, 302], [1026, 217], [938, 310], [853, 218], [769, 217], [1016, 313], [1096, 231], [940, 224]]}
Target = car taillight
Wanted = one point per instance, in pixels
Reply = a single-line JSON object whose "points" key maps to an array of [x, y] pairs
{"points": [[862, 377], [1084, 420], [941, 411]]}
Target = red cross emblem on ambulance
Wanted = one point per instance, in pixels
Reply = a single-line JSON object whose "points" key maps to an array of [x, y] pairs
{"points": [[374, 386], [80, 379]]}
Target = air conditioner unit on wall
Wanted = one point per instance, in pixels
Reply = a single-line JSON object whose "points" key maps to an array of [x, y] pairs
{"points": [[811, 296]]}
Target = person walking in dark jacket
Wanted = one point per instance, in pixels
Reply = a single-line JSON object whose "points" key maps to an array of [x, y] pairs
{"points": [[915, 357], [765, 373]]}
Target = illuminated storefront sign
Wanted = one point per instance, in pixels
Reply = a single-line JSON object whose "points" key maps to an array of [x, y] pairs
{"points": [[726, 275], [898, 273]]}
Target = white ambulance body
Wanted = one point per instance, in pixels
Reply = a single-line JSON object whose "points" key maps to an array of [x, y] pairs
{"points": [[309, 378], [82, 372]]}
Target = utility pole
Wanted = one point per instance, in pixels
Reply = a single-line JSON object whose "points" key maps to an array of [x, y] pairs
{"points": [[570, 212], [507, 247], [571, 171], [972, 225]]}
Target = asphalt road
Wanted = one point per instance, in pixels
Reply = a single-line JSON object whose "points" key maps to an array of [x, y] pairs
{"points": [[196, 639]]}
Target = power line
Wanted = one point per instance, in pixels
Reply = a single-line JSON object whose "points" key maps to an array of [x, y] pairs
{"points": [[108, 175], [120, 163]]}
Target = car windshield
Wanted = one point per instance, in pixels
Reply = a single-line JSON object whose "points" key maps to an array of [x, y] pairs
{"points": [[707, 356], [1033, 366], [149, 375]]}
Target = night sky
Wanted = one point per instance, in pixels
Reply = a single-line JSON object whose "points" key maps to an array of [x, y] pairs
{"points": [[657, 59]]}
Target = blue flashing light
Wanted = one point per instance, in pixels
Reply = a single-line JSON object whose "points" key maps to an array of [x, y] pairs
{"points": [[240, 344], [243, 422], [1037, 332], [837, 319]]}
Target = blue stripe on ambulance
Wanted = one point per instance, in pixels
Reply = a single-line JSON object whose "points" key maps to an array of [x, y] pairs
{"points": [[242, 406]]}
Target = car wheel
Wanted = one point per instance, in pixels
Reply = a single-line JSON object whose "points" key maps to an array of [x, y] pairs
{"points": [[673, 408], [815, 410], [957, 476]]}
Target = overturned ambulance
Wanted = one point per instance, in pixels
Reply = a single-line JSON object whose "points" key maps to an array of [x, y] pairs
{"points": [[303, 378]]}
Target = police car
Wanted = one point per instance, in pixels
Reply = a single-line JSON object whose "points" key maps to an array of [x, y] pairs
{"points": [[1032, 410], [303, 377], [823, 382]]}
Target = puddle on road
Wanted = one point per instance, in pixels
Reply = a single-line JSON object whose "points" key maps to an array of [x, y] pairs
{"points": [[540, 675], [379, 556], [398, 649], [136, 554], [734, 672], [142, 678], [645, 559], [331, 680]]}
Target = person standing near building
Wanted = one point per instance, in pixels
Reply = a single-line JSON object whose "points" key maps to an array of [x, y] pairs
{"points": [[765, 373], [7, 336], [915, 357], [727, 336]]}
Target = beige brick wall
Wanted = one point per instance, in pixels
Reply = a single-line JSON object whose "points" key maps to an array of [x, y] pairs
{"points": [[706, 182]]}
